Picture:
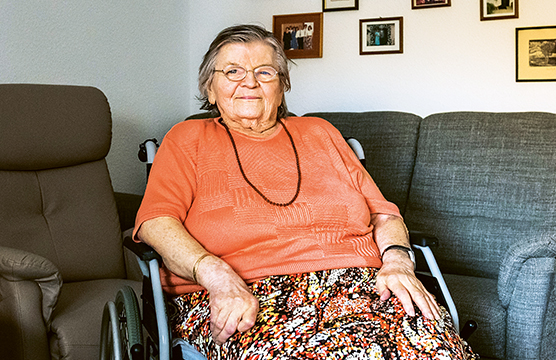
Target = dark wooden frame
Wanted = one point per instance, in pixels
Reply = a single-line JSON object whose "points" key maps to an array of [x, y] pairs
{"points": [[485, 16], [278, 23], [414, 5], [365, 49], [355, 6], [523, 69]]}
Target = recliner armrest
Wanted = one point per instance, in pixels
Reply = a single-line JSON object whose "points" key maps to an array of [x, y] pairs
{"points": [[20, 265]]}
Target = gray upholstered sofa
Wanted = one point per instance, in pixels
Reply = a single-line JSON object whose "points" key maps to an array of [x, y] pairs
{"points": [[484, 184]]}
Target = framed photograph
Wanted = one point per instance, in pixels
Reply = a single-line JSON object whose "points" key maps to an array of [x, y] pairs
{"points": [[499, 9], [535, 53], [421, 4], [381, 36], [337, 5], [300, 34]]}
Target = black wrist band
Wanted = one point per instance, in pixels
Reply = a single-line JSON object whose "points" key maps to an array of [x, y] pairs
{"points": [[396, 247], [408, 250]]}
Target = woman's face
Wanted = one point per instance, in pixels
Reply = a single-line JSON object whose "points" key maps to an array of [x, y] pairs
{"points": [[247, 106]]}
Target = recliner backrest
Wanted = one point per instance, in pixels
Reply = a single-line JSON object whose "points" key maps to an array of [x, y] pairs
{"points": [[56, 198]]}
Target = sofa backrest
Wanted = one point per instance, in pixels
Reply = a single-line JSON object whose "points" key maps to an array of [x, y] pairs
{"points": [[482, 182], [389, 139], [56, 198]]}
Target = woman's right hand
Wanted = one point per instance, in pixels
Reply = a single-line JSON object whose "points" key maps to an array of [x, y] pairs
{"points": [[232, 305]]}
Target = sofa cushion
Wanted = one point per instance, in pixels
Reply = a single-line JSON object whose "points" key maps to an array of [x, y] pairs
{"points": [[389, 139], [477, 299], [78, 316]]}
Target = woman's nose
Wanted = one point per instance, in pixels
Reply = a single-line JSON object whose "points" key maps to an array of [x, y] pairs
{"points": [[250, 79]]}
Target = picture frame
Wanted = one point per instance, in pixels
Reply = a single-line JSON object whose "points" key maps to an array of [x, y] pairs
{"points": [[286, 29], [422, 4], [535, 53], [499, 9], [340, 5], [381, 36]]}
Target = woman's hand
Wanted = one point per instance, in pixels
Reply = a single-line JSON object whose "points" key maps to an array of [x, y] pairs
{"points": [[397, 276], [232, 305]]}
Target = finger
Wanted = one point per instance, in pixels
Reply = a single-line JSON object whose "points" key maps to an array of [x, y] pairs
{"points": [[406, 300], [382, 289], [249, 318], [223, 327]]}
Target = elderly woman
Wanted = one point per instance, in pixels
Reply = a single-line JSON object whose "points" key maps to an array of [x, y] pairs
{"points": [[276, 241]]}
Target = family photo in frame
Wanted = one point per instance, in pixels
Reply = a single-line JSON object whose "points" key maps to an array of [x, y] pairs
{"points": [[381, 36], [300, 34], [420, 4]]}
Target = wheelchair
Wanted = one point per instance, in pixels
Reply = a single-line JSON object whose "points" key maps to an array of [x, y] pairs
{"points": [[123, 327]]}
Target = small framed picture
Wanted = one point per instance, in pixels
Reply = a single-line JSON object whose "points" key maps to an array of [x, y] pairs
{"points": [[381, 36], [535, 53], [499, 9], [421, 4], [300, 34], [338, 5]]}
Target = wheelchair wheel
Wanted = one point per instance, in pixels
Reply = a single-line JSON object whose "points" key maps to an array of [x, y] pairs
{"points": [[121, 332]]}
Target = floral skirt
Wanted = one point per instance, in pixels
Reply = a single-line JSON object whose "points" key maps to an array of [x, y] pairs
{"points": [[330, 314]]}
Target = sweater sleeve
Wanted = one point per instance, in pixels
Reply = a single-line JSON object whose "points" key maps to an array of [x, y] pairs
{"points": [[361, 178]]}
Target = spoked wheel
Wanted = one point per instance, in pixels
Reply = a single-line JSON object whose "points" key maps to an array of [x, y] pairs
{"points": [[120, 337]]}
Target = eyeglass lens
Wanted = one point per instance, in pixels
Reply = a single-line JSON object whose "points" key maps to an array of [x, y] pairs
{"points": [[238, 73]]}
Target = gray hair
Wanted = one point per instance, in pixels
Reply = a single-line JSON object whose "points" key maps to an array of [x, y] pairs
{"points": [[242, 34]]}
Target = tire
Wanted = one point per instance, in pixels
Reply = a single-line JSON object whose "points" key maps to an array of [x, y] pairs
{"points": [[124, 319]]}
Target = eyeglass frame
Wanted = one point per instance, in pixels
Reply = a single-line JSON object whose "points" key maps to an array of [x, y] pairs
{"points": [[247, 71]]}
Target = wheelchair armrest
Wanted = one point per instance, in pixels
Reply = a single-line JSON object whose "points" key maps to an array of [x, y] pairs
{"points": [[142, 250], [422, 239]]}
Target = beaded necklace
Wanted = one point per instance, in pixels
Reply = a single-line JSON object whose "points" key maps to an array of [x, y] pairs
{"points": [[251, 184]]}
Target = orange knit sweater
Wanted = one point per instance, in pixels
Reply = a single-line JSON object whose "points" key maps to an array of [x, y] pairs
{"points": [[196, 179]]}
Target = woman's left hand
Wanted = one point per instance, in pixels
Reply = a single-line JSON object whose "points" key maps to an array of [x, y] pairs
{"points": [[397, 276]]}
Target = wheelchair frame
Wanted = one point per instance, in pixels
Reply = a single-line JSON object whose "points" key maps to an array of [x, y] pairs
{"points": [[121, 339]]}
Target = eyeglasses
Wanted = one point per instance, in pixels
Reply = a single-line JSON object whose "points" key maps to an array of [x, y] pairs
{"points": [[263, 73]]}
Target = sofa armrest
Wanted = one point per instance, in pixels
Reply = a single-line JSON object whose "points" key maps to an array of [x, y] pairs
{"points": [[514, 260], [19, 265], [525, 288]]}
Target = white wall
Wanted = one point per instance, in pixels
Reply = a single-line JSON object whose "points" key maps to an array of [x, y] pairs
{"points": [[145, 54], [134, 51], [451, 60]]}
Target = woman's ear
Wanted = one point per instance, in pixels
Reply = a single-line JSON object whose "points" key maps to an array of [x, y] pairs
{"points": [[211, 95]]}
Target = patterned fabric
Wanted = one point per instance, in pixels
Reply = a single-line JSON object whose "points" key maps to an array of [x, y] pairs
{"points": [[331, 314]]}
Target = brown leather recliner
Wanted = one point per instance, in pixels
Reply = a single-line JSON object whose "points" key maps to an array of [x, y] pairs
{"points": [[58, 222]]}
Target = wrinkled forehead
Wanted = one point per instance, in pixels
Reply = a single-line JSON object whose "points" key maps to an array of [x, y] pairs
{"points": [[249, 55]]}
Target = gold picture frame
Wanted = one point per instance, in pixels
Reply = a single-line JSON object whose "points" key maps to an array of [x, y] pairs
{"points": [[535, 53], [287, 28]]}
